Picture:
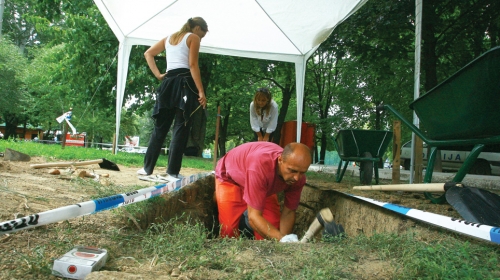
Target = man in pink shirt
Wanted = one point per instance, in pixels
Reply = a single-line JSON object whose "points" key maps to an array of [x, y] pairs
{"points": [[249, 177]]}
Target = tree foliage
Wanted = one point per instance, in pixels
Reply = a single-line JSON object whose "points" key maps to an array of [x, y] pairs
{"points": [[12, 86], [12, 74], [369, 60], [70, 54]]}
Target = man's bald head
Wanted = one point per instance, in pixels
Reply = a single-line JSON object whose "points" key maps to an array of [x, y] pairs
{"points": [[294, 162], [297, 150]]}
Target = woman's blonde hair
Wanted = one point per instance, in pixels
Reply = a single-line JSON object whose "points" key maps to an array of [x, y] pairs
{"points": [[263, 92], [188, 27]]}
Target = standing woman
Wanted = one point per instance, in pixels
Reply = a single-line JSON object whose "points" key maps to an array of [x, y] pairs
{"points": [[263, 115], [181, 93]]}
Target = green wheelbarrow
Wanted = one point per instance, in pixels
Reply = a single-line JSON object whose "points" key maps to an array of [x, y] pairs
{"points": [[364, 146], [462, 111]]}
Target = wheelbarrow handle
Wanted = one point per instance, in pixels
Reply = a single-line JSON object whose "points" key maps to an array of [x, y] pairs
{"points": [[380, 108], [410, 125]]}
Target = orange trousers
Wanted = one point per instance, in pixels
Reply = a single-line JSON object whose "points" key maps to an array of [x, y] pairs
{"points": [[231, 206]]}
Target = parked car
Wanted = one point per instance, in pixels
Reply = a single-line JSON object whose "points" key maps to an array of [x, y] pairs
{"points": [[487, 163]]}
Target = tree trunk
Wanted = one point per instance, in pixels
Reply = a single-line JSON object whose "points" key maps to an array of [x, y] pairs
{"points": [[11, 122], [223, 132], [287, 95], [2, 7], [24, 130], [322, 153], [429, 58], [46, 135], [196, 139]]}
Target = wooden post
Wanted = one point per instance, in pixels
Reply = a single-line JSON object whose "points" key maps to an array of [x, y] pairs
{"points": [[419, 152], [64, 133], [216, 144], [114, 144], [396, 151]]}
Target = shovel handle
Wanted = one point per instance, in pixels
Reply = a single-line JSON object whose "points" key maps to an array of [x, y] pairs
{"points": [[66, 164], [434, 187]]}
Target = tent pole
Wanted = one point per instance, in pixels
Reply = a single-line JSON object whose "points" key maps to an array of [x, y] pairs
{"points": [[416, 87], [123, 57], [300, 73]]}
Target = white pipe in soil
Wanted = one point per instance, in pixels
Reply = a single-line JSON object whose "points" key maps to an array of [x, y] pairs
{"points": [[94, 206], [480, 231]]}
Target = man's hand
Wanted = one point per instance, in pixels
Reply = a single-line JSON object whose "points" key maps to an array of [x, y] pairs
{"points": [[290, 238], [261, 225]]}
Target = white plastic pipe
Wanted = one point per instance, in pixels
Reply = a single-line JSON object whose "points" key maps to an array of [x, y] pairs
{"points": [[94, 206]]}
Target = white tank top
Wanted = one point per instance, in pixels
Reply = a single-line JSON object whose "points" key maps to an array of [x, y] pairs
{"points": [[178, 55]]}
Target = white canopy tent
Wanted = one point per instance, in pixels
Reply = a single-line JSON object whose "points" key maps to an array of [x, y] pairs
{"points": [[282, 30]]}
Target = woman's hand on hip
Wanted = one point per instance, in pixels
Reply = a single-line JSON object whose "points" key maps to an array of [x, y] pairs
{"points": [[161, 76]]}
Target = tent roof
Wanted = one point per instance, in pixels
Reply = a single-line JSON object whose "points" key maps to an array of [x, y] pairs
{"points": [[268, 29], [283, 30]]}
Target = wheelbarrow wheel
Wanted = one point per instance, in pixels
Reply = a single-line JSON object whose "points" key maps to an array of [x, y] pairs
{"points": [[366, 170], [480, 167]]}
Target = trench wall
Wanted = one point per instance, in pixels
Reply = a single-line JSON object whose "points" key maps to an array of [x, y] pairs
{"points": [[355, 216], [196, 201]]}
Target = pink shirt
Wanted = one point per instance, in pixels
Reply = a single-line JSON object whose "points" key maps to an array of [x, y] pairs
{"points": [[253, 167]]}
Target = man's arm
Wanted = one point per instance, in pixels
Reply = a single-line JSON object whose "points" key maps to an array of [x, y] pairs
{"points": [[287, 220], [262, 226]]}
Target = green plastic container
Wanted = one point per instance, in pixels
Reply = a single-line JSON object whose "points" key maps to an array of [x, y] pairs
{"points": [[353, 143], [466, 105]]}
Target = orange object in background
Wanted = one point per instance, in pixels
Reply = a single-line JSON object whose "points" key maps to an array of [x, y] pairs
{"points": [[289, 134], [75, 140]]}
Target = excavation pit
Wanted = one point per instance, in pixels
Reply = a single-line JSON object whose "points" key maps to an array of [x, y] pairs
{"points": [[195, 201]]}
